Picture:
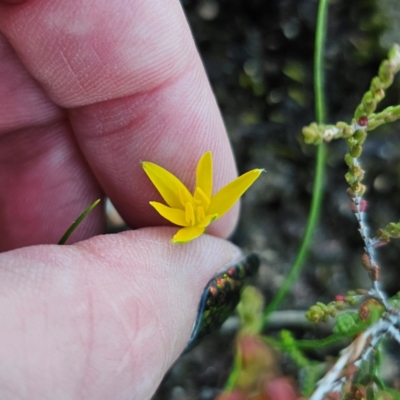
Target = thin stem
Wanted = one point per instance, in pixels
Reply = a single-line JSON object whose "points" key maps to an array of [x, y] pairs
{"points": [[69, 231], [233, 375], [320, 164], [320, 103]]}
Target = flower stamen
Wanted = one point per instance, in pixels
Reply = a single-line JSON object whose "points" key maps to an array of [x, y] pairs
{"points": [[200, 214], [189, 214], [201, 198]]}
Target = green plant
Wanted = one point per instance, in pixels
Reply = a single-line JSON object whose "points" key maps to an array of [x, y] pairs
{"points": [[77, 222], [364, 317], [358, 366]]}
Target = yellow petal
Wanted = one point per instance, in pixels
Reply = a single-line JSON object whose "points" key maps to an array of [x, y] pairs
{"points": [[222, 201], [207, 221], [173, 215], [187, 234], [204, 172], [185, 197], [167, 184]]}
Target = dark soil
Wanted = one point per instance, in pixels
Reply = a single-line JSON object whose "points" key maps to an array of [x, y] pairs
{"points": [[259, 58]]}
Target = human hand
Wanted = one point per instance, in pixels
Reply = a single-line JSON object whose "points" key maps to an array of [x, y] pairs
{"points": [[88, 89]]}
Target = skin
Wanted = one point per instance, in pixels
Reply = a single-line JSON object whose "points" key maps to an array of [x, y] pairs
{"points": [[88, 89]]}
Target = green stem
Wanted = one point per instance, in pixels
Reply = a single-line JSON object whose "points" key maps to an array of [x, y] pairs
{"points": [[320, 103], [389, 114], [376, 366], [69, 231], [320, 164], [335, 337], [233, 375]]}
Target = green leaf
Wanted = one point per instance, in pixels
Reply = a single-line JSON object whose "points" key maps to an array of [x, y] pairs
{"points": [[69, 231]]}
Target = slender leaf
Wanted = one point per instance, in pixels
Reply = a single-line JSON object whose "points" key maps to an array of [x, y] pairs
{"points": [[69, 231]]}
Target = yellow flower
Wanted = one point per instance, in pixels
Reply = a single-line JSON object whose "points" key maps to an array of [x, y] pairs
{"points": [[195, 212]]}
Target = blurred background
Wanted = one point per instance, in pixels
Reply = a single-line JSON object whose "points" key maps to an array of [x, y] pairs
{"points": [[259, 58]]}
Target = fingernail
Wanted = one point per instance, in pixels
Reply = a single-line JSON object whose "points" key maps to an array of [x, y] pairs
{"points": [[220, 298]]}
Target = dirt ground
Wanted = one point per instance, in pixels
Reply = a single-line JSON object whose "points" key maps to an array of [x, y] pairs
{"points": [[259, 58]]}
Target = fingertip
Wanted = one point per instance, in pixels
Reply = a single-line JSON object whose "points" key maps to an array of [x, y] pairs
{"points": [[114, 311], [157, 107]]}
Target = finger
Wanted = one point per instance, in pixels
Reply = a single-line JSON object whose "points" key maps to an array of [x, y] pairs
{"points": [[45, 182], [13, 1], [130, 74], [103, 319]]}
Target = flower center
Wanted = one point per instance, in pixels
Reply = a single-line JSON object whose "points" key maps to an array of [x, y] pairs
{"points": [[201, 198], [194, 215], [195, 207]]}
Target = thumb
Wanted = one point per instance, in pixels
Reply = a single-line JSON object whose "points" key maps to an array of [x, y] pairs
{"points": [[102, 319]]}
